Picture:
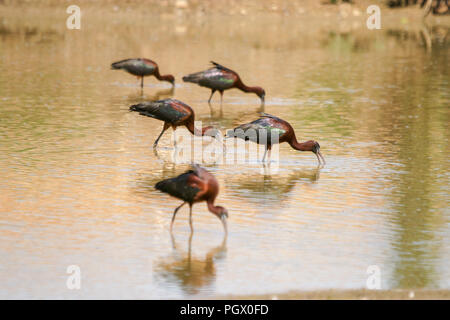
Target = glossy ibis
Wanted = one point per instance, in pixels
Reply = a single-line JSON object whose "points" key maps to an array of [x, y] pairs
{"points": [[174, 113], [142, 67], [266, 126], [195, 185], [220, 78]]}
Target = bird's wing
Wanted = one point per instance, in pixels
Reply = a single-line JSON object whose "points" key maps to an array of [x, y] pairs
{"points": [[266, 115], [273, 124], [134, 63], [219, 66], [122, 63], [214, 78], [244, 130], [259, 130], [199, 171], [252, 125], [179, 187], [218, 78], [149, 62], [168, 110], [187, 186]]}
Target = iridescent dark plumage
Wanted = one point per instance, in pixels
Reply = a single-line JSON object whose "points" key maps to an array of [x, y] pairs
{"points": [[269, 130], [179, 187], [142, 67], [220, 78], [174, 113], [193, 186]]}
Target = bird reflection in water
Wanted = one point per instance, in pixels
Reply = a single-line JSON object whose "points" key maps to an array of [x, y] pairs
{"points": [[182, 154], [189, 272], [234, 115], [271, 186], [139, 96]]}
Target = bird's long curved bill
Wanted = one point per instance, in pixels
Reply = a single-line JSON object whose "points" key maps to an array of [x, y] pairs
{"points": [[321, 156], [222, 140], [224, 223]]}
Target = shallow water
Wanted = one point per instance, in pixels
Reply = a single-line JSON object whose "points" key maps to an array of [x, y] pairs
{"points": [[77, 169]]}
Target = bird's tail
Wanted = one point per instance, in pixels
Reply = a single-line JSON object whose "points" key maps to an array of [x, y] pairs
{"points": [[149, 108], [119, 64], [142, 107], [177, 187], [163, 185], [137, 107], [194, 77], [167, 186]]}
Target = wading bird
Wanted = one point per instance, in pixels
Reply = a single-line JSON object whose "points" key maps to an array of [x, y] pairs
{"points": [[142, 67], [174, 113], [194, 186], [262, 129], [220, 78]]}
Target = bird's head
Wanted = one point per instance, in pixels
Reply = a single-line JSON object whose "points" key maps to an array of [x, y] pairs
{"points": [[170, 78], [210, 131], [310, 145], [314, 147], [223, 212], [260, 93]]}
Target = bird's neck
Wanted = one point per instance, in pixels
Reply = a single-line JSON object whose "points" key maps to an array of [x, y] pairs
{"points": [[195, 131], [212, 208], [241, 86], [165, 77], [301, 146]]}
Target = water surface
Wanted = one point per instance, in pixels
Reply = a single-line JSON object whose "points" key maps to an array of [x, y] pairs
{"points": [[77, 169]]}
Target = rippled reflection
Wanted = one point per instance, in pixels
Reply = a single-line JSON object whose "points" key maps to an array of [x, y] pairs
{"points": [[187, 271], [267, 186]]}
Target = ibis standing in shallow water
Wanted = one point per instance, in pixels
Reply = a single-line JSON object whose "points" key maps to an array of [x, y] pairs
{"points": [[220, 78], [174, 113], [269, 125], [194, 186], [142, 67]]}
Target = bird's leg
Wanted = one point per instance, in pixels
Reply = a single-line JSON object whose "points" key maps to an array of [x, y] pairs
{"points": [[270, 152], [172, 238], [221, 100], [142, 82], [190, 218], [211, 110], [264, 157], [174, 137], [212, 92], [174, 214], [190, 247], [221, 97], [166, 126]]}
